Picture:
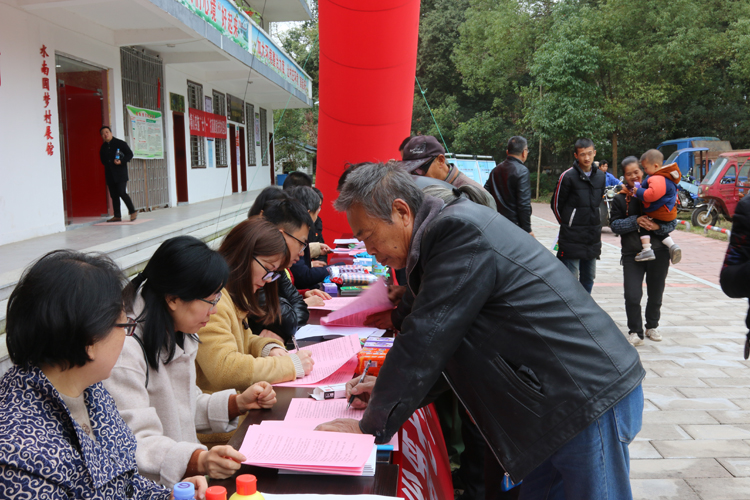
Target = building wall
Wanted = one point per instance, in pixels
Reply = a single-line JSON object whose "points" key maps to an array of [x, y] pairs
{"points": [[31, 195], [209, 183]]}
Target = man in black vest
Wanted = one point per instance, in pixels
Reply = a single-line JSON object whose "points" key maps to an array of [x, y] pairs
{"points": [[575, 203], [115, 155], [509, 185]]}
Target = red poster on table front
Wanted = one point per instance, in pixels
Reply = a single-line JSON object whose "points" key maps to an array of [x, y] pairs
{"points": [[423, 459]]}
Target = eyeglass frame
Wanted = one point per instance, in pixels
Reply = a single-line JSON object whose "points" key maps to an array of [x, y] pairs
{"points": [[303, 243], [129, 327], [273, 275], [212, 302]]}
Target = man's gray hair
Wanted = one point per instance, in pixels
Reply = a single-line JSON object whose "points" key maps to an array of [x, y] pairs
{"points": [[375, 187]]}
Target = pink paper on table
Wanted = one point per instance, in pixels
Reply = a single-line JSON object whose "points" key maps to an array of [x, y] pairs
{"points": [[334, 304], [329, 357], [297, 449], [311, 413], [372, 300], [340, 376]]}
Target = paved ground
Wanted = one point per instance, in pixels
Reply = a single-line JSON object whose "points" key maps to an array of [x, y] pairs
{"points": [[695, 441]]}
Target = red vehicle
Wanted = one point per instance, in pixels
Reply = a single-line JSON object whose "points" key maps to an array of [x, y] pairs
{"points": [[722, 188]]}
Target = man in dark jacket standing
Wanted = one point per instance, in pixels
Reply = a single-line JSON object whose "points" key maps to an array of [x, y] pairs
{"points": [[735, 274], [550, 381], [575, 204], [115, 155], [509, 185]]}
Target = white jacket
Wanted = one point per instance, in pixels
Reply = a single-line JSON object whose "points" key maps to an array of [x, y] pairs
{"points": [[165, 416]]}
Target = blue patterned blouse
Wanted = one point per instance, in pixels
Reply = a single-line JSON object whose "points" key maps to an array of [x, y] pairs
{"points": [[45, 454]]}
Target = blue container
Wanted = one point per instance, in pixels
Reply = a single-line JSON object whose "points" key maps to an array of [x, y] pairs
{"points": [[184, 491], [280, 178]]}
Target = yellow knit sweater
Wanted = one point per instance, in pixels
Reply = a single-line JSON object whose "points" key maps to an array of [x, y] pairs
{"points": [[229, 356]]}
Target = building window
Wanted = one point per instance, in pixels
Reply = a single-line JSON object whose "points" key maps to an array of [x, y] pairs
{"points": [[197, 143], [220, 104], [250, 113], [264, 138], [221, 152]]}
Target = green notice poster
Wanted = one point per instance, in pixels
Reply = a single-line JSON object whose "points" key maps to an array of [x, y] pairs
{"points": [[146, 132]]}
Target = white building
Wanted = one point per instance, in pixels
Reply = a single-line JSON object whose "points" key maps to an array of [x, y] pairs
{"points": [[67, 67]]}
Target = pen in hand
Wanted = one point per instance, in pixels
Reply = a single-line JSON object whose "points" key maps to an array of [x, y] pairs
{"points": [[361, 379], [294, 341]]}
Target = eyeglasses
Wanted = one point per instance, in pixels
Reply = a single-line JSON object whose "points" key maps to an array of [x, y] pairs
{"points": [[212, 302], [270, 275], [303, 243], [129, 327]]}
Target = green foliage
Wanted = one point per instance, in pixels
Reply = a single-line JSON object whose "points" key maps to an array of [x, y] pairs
{"points": [[627, 73]]}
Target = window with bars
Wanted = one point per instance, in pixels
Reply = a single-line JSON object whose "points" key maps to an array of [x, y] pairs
{"points": [[220, 104], [221, 153], [197, 143], [264, 137], [250, 129]]}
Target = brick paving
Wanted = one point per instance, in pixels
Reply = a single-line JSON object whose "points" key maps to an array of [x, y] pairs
{"points": [[695, 441]]}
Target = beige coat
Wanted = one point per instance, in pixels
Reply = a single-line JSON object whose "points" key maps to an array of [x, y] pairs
{"points": [[230, 356], [165, 416]]}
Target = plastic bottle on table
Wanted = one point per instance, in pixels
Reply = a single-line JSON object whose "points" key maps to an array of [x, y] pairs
{"points": [[184, 491], [246, 488], [216, 493]]}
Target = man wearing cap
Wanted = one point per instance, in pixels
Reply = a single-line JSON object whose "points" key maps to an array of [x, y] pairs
{"points": [[424, 156]]}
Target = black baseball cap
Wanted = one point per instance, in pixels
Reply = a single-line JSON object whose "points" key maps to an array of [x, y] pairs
{"points": [[420, 150]]}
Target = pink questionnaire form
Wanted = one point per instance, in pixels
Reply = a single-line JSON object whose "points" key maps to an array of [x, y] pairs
{"points": [[335, 303], [372, 300], [329, 357]]}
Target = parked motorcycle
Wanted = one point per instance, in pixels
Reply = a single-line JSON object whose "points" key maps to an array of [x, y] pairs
{"points": [[604, 209]]}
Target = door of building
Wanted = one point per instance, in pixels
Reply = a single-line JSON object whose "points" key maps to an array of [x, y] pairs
{"points": [[242, 164], [84, 187], [180, 156], [233, 158], [273, 160]]}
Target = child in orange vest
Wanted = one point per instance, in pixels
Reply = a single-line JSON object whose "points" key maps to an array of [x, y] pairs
{"points": [[659, 196]]}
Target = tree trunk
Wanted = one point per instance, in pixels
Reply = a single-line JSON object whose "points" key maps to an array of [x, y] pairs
{"points": [[539, 160], [614, 154]]}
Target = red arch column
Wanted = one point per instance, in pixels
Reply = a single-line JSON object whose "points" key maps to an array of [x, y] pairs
{"points": [[368, 58]]}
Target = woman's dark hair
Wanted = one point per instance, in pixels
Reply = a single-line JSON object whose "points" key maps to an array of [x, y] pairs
{"points": [[63, 303], [319, 193], [627, 161], [288, 214], [269, 193], [182, 267], [296, 178], [305, 195], [253, 237]]}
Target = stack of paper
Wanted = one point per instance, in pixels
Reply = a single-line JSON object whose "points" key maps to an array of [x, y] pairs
{"points": [[330, 357], [306, 451], [333, 332], [345, 241], [373, 300], [308, 414], [334, 303]]}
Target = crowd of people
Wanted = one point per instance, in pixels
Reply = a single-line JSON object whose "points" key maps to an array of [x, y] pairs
{"points": [[126, 388]]}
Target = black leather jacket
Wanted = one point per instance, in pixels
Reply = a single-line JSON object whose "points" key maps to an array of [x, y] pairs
{"points": [[576, 202], [115, 173], [509, 186], [735, 274], [528, 352], [294, 312]]}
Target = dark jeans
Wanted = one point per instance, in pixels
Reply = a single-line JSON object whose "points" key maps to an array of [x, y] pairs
{"points": [[583, 270], [117, 191], [656, 276]]}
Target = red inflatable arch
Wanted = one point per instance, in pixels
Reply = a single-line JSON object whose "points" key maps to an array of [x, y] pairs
{"points": [[368, 58]]}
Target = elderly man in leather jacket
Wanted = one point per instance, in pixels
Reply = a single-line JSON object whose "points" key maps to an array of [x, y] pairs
{"points": [[509, 185], [549, 379]]}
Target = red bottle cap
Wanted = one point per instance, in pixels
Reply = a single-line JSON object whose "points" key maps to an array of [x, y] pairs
{"points": [[246, 484], [216, 493]]}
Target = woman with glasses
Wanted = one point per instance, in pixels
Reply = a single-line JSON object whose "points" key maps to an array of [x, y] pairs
{"points": [[231, 354], [60, 433], [154, 380]]}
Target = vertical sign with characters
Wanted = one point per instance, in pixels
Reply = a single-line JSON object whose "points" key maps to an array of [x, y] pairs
{"points": [[50, 148]]}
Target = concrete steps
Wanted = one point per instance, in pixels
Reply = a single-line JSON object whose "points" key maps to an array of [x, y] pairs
{"points": [[132, 253]]}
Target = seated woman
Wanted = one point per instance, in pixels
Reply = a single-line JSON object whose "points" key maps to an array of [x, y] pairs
{"points": [[231, 355], [60, 433], [153, 382]]}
